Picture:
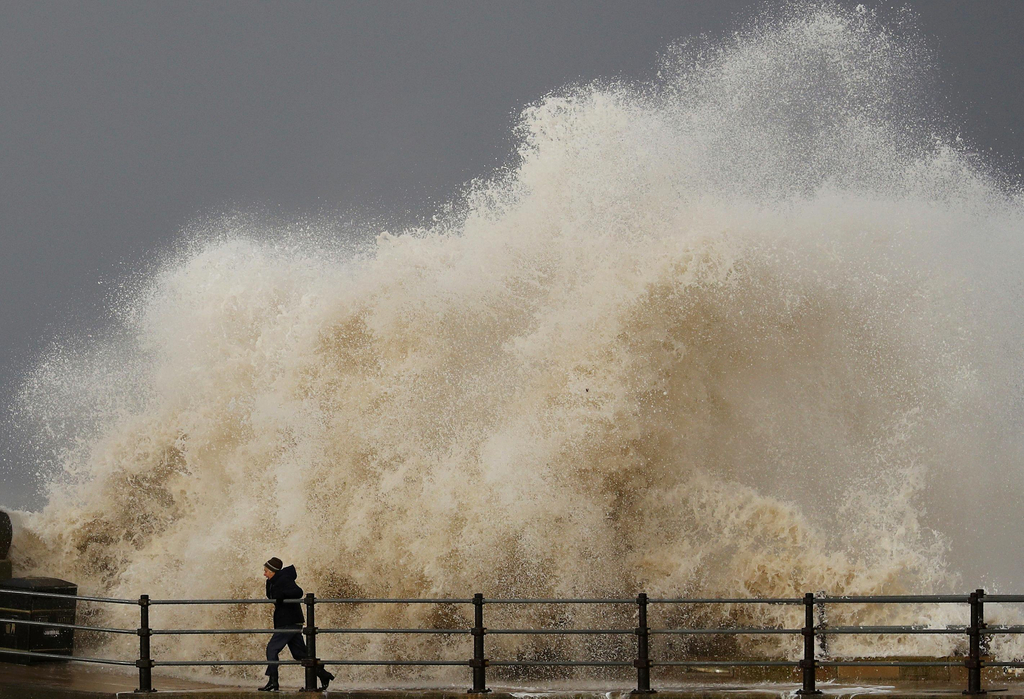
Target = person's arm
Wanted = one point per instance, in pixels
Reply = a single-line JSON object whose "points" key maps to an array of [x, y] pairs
{"points": [[270, 591]]}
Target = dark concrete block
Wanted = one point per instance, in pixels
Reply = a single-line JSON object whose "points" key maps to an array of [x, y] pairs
{"points": [[6, 534]]}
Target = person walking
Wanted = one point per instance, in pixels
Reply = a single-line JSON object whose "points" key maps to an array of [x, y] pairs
{"points": [[281, 586]]}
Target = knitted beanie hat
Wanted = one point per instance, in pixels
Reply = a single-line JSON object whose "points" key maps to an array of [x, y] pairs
{"points": [[273, 565]]}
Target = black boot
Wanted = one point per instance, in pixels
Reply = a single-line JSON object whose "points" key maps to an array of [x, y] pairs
{"points": [[326, 678], [270, 686]]}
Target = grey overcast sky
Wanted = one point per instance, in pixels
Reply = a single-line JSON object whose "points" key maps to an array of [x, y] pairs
{"points": [[123, 121]]}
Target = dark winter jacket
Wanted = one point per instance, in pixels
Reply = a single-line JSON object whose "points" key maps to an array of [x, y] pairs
{"points": [[281, 587]]}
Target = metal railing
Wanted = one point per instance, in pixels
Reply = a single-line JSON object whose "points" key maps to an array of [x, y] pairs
{"points": [[976, 632]]}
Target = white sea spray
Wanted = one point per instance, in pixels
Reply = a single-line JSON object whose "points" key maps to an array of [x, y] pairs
{"points": [[743, 330]]}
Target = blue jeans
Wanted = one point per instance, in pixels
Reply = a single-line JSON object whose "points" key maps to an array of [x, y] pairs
{"points": [[277, 642], [296, 644]]}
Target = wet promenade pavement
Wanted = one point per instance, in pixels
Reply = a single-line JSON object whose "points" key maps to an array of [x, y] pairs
{"points": [[79, 681]]}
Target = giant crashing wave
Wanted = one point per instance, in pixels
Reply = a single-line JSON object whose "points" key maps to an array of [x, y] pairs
{"points": [[727, 332]]}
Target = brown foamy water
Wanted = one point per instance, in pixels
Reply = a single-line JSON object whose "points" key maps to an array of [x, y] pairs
{"points": [[745, 330]]}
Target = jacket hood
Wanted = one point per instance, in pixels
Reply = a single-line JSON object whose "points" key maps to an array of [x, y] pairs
{"points": [[285, 575]]}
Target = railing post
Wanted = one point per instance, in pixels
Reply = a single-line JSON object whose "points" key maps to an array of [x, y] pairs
{"points": [[822, 624], [479, 661], [643, 660], [973, 661], [310, 662], [808, 664], [145, 662]]}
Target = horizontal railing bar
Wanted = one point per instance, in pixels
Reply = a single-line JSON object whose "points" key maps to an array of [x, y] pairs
{"points": [[864, 599], [890, 663], [986, 663], [297, 600], [187, 663], [212, 663], [441, 631], [545, 600], [727, 600], [208, 632], [559, 663], [896, 630], [182, 632], [988, 630], [557, 632], [386, 600], [438, 663], [1003, 598], [78, 659], [80, 598], [895, 599], [55, 625], [743, 631], [726, 663]]}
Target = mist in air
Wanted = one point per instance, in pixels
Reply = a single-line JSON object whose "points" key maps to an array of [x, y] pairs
{"points": [[751, 328]]}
